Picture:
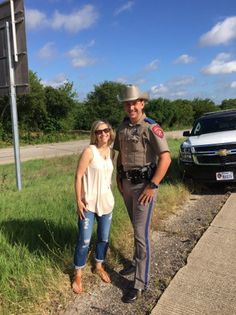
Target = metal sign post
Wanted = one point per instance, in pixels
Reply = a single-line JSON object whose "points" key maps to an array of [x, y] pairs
{"points": [[14, 111], [14, 76]]}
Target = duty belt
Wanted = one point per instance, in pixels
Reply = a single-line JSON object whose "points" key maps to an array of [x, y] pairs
{"points": [[137, 175]]}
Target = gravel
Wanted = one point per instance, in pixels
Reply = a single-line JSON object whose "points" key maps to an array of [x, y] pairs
{"points": [[171, 245]]}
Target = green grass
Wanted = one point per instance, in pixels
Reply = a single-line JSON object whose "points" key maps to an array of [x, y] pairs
{"points": [[38, 227], [29, 138]]}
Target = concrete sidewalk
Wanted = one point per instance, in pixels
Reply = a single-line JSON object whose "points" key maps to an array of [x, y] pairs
{"points": [[207, 284]]}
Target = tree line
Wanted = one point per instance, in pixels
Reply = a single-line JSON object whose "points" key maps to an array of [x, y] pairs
{"points": [[47, 109]]}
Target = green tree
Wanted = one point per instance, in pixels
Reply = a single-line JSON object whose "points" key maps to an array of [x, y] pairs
{"points": [[5, 115], [32, 111], [201, 106], [228, 104], [161, 111], [60, 106], [183, 113], [102, 103]]}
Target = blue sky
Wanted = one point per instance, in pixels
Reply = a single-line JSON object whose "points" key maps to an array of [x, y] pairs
{"points": [[170, 48]]}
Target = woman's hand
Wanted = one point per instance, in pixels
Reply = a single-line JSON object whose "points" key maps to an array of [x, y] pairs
{"points": [[81, 208], [146, 196]]}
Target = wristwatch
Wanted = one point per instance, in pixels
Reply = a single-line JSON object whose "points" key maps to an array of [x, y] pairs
{"points": [[152, 185]]}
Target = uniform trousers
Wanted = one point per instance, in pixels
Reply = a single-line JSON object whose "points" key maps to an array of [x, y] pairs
{"points": [[140, 216]]}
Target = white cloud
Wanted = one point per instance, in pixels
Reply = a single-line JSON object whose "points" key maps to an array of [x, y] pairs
{"points": [[184, 59], [73, 22], [233, 85], [48, 51], [76, 21], [79, 56], [35, 19], [221, 65], [222, 33], [159, 89], [121, 80], [177, 94], [182, 81], [153, 65], [127, 6], [56, 82]]}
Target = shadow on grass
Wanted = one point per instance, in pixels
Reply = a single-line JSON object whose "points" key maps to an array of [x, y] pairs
{"points": [[174, 176], [39, 236]]}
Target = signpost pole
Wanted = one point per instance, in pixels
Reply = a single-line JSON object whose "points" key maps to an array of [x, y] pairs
{"points": [[14, 111]]}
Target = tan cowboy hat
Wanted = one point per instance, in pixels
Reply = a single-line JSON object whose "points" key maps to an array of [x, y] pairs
{"points": [[132, 93]]}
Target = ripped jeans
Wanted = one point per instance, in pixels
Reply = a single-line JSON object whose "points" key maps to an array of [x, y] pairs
{"points": [[84, 237]]}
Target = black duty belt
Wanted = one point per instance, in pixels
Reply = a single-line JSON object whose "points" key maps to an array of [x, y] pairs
{"points": [[137, 175]]}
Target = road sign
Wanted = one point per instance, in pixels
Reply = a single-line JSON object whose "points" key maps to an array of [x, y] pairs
{"points": [[13, 12]]}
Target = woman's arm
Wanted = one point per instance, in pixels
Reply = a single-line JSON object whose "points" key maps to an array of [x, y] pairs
{"points": [[85, 159]]}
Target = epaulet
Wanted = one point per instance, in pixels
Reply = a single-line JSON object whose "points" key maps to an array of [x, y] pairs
{"points": [[149, 120]]}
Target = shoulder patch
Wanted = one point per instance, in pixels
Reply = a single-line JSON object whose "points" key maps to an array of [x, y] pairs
{"points": [[149, 120], [158, 131]]}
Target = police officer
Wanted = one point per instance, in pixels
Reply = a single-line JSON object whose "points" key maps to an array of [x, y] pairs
{"points": [[142, 162]]}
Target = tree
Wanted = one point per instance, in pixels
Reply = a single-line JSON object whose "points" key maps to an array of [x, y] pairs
{"points": [[102, 103], [32, 111], [161, 111], [201, 106], [183, 113], [5, 115], [228, 104], [60, 106]]}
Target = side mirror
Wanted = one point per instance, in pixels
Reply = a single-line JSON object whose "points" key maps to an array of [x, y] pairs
{"points": [[186, 133]]}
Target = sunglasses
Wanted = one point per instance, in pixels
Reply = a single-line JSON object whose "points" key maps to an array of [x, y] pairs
{"points": [[100, 131]]}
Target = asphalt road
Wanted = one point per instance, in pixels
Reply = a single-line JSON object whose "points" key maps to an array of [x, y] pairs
{"points": [[43, 151]]}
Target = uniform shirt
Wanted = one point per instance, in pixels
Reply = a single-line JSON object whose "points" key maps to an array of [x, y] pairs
{"points": [[139, 144], [97, 184]]}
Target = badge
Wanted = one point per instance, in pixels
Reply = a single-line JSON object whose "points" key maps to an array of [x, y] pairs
{"points": [[158, 131]]}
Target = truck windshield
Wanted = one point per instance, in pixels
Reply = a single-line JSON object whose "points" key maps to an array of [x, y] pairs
{"points": [[213, 124]]}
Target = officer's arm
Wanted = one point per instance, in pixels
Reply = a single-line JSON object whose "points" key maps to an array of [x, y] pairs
{"points": [[162, 167]]}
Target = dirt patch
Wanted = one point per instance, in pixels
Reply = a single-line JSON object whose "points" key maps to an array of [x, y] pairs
{"points": [[171, 246]]}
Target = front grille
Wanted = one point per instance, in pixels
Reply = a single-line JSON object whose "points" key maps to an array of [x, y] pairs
{"points": [[212, 155], [216, 147]]}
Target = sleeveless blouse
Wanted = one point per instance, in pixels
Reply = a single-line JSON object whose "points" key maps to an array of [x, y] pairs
{"points": [[97, 184]]}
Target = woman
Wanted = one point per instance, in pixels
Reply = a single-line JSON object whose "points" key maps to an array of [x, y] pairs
{"points": [[94, 200]]}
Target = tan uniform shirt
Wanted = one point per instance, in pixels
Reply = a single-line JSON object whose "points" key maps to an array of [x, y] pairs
{"points": [[139, 144]]}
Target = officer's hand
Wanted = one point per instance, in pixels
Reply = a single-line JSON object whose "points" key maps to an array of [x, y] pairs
{"points": [[81, 208], [146, 196]]}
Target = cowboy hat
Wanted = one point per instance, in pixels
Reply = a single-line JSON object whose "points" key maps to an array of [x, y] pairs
{"points": [[132, 93]]}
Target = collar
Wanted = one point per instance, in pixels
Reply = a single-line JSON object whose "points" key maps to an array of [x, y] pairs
{"points": [[139, 121]]}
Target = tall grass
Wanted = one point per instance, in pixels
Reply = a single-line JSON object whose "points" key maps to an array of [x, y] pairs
{"points": [[38, 232]]}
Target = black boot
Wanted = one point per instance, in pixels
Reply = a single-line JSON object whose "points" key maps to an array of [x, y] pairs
{"points": [[132, 295], [127, 271]]}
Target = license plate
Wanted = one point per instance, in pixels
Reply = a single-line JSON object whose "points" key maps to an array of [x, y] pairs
{"points": [[224, 175]]}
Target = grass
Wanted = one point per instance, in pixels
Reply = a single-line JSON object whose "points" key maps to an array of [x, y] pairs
{"points": [[38, 232], [30, 138]]}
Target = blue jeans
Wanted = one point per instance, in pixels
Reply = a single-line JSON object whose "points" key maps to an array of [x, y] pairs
{"points": [[84, 237]]}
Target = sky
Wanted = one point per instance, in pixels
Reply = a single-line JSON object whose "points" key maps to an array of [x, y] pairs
{"points": [[171, 48]]}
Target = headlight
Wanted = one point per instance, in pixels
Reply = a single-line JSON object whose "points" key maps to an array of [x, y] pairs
{"points": [[185, 154]]}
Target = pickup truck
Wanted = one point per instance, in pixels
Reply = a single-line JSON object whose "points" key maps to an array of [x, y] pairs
{"points": [[209, 152]]}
